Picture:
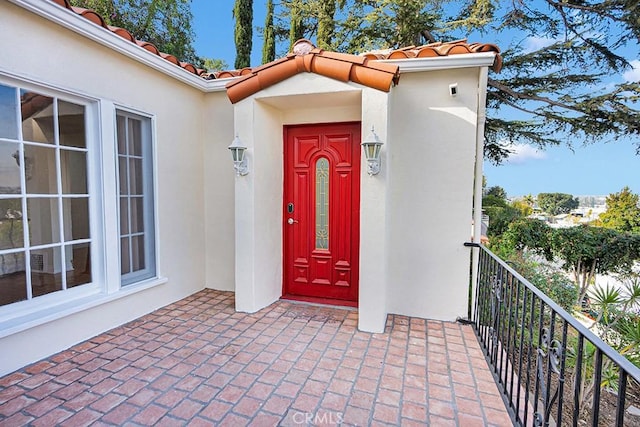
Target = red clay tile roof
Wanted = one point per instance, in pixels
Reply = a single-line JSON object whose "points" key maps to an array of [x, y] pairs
{"points": [[306, 57], [98, 20], [364, 69], [457, 47]]}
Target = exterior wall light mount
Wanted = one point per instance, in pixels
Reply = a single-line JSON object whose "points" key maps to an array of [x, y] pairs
{"points": [[371, 147], [238, 151]]}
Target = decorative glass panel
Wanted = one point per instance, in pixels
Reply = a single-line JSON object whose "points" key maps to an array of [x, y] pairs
{"points": [[322, 203]]}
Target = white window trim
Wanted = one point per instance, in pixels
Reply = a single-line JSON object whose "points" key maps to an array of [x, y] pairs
{"points": [[102, 188]]}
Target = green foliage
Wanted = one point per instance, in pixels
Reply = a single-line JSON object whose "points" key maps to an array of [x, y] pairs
{"points": [[531, 234], [326, 23], [497, 191], [557, 203], [268, 34], [165, 23], [296, 27], [623, 212], [243, 33], [213, 64]]}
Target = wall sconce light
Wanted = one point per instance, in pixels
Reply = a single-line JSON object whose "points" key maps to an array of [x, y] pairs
{"points": [[238, 152], [371, 146]]}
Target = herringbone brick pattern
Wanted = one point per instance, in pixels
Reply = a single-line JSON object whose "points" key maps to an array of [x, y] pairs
{"points": [[198, 362]]}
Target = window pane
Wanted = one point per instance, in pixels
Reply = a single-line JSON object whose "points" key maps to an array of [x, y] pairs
{"points": [[40, 169], [79, 258], [46, 271], [8, 112], [137, 214], [76, 218], [74, 172], [13, 279], [11, 228], [137, 253], [42, 214], [37, 117], [71, 124], [124, 215], [322, 204], [135, 176], [121, 128], [9, 167], [125, 259], [135, 138], [122, 173]]}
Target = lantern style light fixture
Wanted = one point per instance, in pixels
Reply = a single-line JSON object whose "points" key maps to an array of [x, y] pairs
{"points": [[238, 151], [371, 147]]}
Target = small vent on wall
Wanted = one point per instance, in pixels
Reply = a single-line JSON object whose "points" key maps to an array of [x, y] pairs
{"points": [[37, 262]]}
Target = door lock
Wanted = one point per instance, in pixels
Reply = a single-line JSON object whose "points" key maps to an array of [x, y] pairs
{"points": [[291, 221]]}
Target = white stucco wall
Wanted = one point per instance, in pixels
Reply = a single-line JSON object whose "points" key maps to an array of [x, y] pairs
{"points": [[217, 134], [430, 191], [37, 49]]}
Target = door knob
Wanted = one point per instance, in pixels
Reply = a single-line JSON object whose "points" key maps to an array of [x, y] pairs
{"points": [[291, 221]]}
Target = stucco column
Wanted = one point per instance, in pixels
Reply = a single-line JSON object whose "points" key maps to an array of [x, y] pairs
{"points": [[372, 302]]}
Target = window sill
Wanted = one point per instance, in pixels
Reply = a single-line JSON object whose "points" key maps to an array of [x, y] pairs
{"points": [[20, 322]]}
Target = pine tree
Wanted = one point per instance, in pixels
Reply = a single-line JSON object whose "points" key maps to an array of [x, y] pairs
{"points": [[296, 28], [269, 44], [243, 14], [326, 23]]}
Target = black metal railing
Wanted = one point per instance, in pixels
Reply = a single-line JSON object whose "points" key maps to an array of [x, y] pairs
{"points": [[551, 369]]}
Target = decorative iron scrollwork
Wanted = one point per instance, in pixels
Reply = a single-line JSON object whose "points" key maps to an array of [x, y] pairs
{"points": [[550, 350]]}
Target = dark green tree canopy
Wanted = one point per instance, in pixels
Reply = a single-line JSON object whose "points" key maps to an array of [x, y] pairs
{"points": [[165, 23], [243, 34], [561, 80], [268, 35], [557, 203], [623, 212]]}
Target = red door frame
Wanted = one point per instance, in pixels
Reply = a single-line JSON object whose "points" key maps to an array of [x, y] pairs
{"points": [[336, 293]]}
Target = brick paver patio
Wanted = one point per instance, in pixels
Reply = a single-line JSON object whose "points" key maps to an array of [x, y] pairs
{"points": [[197, 362]]}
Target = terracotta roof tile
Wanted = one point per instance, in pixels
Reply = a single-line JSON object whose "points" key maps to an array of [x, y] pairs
{"points": [[307, 58], [456, 47], [98, 20], [363, 69]]}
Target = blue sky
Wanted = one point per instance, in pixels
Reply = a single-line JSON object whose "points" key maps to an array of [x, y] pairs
{"points": [[597, 169]]}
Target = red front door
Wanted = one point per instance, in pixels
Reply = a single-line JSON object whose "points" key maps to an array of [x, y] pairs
{"points": [[322, 212]]}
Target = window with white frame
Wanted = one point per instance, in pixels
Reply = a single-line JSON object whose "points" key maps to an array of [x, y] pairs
{"points": [[45, 236], [136, 205], [53, 181]]}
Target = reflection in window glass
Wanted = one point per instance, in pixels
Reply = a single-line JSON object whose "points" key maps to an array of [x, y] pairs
{"points": [[73, 165], [75, 213], [71, 124], [11, 228], [44, 226], [79, 258], [8, 112], [43, 176], [37, 117], [322, 203], [9, 167], [46, 267], [13, 278], [40, 169]]}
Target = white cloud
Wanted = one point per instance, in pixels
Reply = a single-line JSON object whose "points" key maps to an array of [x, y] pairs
{"points": [[521, 153], [633, 75], [531, 44]]}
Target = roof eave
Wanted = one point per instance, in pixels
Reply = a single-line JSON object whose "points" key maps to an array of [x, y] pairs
{"points": [[468, 60], [77, 24]]}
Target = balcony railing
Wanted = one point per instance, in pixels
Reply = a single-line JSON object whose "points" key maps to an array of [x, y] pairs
{"points": [[551, 369]]}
